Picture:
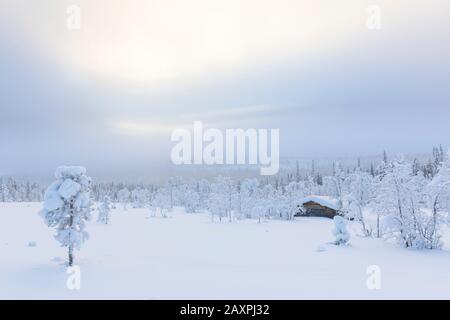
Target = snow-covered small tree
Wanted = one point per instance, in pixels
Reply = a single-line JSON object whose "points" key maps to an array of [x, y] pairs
{"points": [[161, 201], [294, 194], [35, 192], [174, 191], [438, 198], [124, 196], [217, 206], [248, 196], [221, 200], [204, 190], [335, 184], [269, 201], [103, 211], [67, 206], [5, 195], [358, 196], [192, 200], [139, 197], [258, 211], [399, 196], [342, 236]]}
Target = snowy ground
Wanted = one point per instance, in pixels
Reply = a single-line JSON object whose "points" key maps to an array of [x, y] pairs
{"points": [[186, 256]]}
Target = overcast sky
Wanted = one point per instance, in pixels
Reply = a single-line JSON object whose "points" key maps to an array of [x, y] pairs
{"points": [[108, 95]]}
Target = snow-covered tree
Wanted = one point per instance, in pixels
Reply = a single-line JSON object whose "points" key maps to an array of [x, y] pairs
{"points": [[270, 201], [104, 210], [67, 206], [223, 193], [35, 192], [217, 206], [335, 184], [192, 198], [438, 190], [357, 197], [174, 191], [161, 201], [139, 197], [4, 192], [400, 197], [438, 199], [12, 190], [204, 189], [248, 196], [124, 196], [342, 236], [294, 195], [258, 210]]}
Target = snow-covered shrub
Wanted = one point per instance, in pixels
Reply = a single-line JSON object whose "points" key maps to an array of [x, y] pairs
{"points": [[294, 194], [342, 236], [192, 200], [67, 206], [103, 211], [271, 202], [358, 194], [217, 206], [139, 197], [161, 201], [437, 197], [249, 194], [222, 198], [402, 196], [124, 196]]}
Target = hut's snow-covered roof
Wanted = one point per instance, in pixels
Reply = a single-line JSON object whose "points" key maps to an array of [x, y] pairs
{"points": [[325, 201]]}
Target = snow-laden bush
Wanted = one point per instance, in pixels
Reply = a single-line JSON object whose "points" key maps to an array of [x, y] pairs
{"points": [[67, 206], [103, 211], [411, 205], [161, 201], [123, 196], [139, 197], [342, 236]]}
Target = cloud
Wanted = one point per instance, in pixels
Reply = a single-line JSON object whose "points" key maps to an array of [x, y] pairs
{"points": [[149, 44], [109, 94]]}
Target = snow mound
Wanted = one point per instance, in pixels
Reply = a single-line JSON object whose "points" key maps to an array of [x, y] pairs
{"points": [[321, 248], [32, 244]]}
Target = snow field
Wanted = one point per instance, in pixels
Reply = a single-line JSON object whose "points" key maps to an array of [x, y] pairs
{"points": [[186, 256]]}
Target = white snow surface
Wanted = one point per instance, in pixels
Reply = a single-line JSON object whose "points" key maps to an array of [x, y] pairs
{"points": [[323, 201], [186, 256]]}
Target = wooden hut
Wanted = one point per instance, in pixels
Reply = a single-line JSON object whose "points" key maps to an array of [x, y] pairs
{"points": [[318, 206]]}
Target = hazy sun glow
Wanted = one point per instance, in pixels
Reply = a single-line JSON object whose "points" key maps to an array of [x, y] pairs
{"points": [[148, 42], [141, 128]]}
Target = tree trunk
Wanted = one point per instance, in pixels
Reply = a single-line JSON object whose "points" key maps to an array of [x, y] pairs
{"points": [[361, 217], [378, 226], [70, 227], [70, 255]]}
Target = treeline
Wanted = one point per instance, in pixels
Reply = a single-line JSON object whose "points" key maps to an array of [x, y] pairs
{"points": [[396, 199], [13, 190]]}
